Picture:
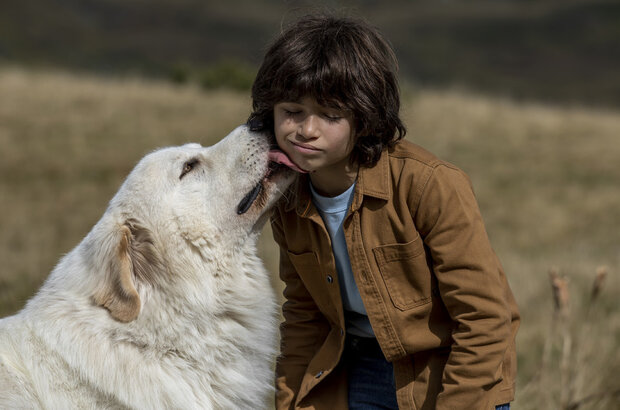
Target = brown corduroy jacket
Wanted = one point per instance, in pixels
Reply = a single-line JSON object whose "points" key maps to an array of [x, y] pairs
{"points": [[435, 293]]}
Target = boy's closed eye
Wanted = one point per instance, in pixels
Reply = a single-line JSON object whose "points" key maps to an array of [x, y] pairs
{"points": [[332, 117], [295, 111]]}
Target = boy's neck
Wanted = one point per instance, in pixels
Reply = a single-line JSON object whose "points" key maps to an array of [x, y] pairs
{"points": [[330, 185]]}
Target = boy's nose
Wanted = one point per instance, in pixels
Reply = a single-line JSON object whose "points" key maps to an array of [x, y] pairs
{"points": [[308, 128]]}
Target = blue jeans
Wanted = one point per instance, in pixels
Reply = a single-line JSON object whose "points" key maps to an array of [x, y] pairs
{"points": [[371, 377]]}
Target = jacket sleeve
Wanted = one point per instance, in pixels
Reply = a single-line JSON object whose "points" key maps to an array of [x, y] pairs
{"points": [[301, 333], [471, 285]]}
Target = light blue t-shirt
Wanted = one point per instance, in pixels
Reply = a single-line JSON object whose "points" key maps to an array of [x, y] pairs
{"points": [[333, 210]]}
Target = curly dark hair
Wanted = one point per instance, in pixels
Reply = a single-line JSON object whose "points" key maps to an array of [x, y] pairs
{"points": [[340, 62]]}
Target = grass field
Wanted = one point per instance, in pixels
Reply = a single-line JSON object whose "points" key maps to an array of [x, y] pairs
{"points": [[546, 178]]}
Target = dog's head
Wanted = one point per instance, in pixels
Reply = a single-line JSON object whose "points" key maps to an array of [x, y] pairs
{"points": [[180, 208]]}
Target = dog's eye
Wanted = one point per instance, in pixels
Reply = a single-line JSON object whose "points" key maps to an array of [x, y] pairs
{"points": [[188, 166]]}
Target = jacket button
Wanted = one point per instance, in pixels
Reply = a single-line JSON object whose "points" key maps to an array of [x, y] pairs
{"points": [[329, 279], [319, 374]]}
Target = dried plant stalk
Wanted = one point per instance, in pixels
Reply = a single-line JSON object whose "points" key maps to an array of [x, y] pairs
{"points": [[566, 336], [580, 355], [561, 299], [561, 296], [601, 274]]}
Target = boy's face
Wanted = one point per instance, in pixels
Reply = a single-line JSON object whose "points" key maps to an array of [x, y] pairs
{"points": [[316, 138]]}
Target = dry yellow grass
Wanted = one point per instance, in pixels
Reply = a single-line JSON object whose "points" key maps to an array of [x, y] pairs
{"points": [[546, 179]]}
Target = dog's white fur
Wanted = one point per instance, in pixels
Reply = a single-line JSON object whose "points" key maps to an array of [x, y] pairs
{"points": [[164, 304]]}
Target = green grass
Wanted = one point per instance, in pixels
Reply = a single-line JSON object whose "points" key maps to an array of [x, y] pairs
{"points": [[546, 179]]}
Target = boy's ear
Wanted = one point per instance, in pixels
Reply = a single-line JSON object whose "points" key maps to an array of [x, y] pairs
{"points": [[134, 260]]}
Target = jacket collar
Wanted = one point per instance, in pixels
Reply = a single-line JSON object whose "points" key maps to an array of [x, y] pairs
{"points": [[374, 182]]}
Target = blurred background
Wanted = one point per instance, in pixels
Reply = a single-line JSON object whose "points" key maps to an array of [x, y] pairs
{"points": [[523, 95]]}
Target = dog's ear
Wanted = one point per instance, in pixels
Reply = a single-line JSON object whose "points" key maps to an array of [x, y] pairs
{"points": [[136, 260]]}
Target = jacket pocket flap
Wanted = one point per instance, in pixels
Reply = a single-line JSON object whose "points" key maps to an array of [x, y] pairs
{"points": [[405, 272]]}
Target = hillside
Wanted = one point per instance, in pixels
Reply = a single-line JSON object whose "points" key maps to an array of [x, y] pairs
{"points": [[546, 178], [554, 50]]}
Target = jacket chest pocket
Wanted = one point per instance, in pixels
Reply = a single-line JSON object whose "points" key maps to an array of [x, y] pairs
{"points": [[405, 272]]}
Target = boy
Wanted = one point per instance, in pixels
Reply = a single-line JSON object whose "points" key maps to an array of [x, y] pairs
{"points": [[394, 297]]}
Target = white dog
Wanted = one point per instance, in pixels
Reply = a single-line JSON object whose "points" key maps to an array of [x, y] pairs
{"points": [[164, 304]]}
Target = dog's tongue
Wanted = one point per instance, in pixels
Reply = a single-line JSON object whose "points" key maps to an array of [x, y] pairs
{"points": [[281, 158]]}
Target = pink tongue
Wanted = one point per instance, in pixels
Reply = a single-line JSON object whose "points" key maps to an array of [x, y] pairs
{"points": [[281, 158]]}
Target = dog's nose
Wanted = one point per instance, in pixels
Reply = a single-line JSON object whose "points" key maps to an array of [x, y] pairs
{"points": [[255, 124]]}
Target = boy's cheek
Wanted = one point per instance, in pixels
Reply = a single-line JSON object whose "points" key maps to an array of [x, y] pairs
{"points": [[280, 130], [280, 139], [278, 126]]}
